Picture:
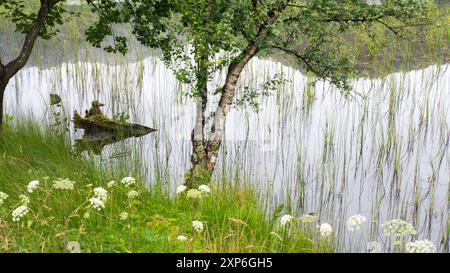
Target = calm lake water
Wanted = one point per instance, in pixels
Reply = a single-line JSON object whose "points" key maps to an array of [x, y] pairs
{"points": [[383, 153]]}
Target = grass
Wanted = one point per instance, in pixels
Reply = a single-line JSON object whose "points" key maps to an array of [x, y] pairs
{"points": [[234, 219], [329, 177]]}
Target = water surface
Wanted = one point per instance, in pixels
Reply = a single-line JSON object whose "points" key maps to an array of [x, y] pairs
{"points": [[383, 153]]}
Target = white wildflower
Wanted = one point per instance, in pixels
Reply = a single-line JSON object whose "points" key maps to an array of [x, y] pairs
{"points": [[420, 246], [19, 212], [132, 194], [197, 225], [128, 181], [204, 189], [286, 219], [308, 218], [398, 227], [374, 2], [3, 197], [97, 203], [25, 200], [110, 183], [73, 247], [123, 216], [193, 193], [101, 193], [181, 189], [32, 186], [325, 230], [181, 238], [63, 184], [86, 215], [355, 222]]}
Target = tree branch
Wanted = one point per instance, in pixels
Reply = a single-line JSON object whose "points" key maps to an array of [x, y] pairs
{"points": [[389, 27], [298, 56], [339, 19], [18, 63]]}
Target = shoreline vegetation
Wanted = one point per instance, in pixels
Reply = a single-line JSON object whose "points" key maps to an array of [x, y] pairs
{"points": [[56, 201], [52, 199]]}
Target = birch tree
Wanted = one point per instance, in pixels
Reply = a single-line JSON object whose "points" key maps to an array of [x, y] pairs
{"points": [[191, 34]]}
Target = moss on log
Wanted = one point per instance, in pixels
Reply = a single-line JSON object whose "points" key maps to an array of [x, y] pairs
{"points": [[100, 124], [100, 130]]}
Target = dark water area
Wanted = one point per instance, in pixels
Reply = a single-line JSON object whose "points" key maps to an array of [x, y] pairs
{"points": [[399, 54]]}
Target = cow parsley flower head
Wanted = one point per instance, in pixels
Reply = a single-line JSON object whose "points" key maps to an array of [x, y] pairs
{"points": [[101, 193], [128, 181], [204, 189], [19, 213], [181, 238], [63, 184], [123, 216], [355, 222], [308, 218], [97, 203], [325, 230], [420, 246], [374, 2], [181, 189], [73, 247], [32, 186], [110, 183], [193, 193], [132, 194], [197, 225], [398, 228], [25, 200], [3, 197], [286, 219]]}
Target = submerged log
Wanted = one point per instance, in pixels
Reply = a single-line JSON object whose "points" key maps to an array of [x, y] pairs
{"points": [[95, 143], [98, 124], [100, 130]]}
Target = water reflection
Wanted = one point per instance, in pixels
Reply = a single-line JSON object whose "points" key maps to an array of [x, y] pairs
{"points": [[383, 154]]}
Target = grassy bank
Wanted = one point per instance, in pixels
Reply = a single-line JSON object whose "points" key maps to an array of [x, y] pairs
{"points": [[56, 218]]}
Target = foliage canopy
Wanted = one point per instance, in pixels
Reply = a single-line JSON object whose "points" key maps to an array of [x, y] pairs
{"points": [[188, 30]]}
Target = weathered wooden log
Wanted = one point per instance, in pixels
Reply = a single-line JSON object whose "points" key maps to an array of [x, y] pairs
{"points": [[98, 124], [100, 130]]}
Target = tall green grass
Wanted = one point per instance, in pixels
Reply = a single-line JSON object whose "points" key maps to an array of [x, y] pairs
{"points": [[234, 219]]}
